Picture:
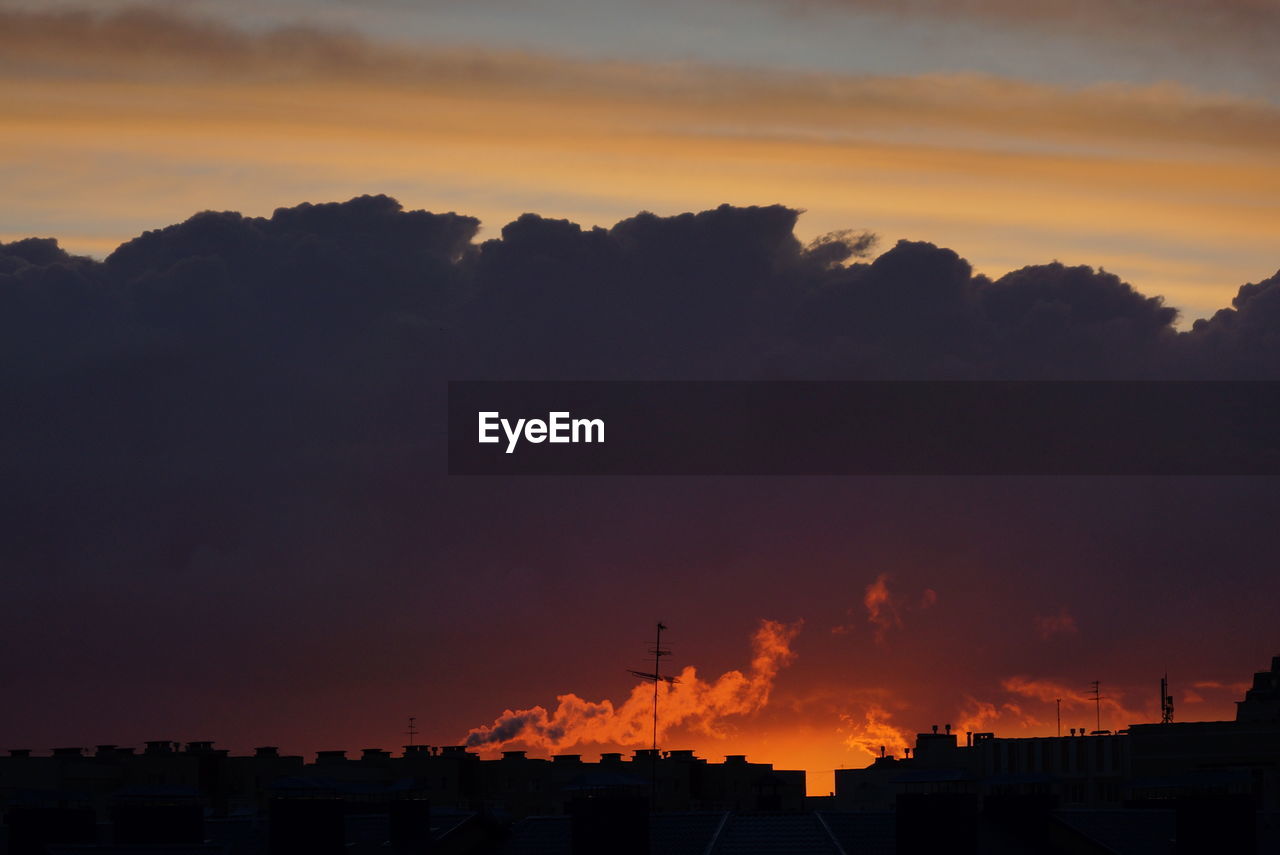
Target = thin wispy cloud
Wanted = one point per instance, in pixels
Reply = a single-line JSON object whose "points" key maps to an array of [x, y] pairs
{"points": [[1245, 29]]}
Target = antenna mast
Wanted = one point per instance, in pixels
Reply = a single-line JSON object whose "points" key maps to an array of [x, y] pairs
{"points": [[413, 730], [1166, 701], [657, 651], [1097, 701]]}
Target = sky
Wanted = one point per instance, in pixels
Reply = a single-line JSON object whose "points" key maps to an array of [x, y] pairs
{"points": [[226, 515], [1140, 138]]}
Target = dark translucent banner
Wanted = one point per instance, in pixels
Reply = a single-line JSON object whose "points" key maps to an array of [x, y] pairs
{"points": [[863, 428]]}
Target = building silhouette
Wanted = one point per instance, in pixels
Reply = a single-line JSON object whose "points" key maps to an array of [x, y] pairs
{"points": [[1173, 787]]}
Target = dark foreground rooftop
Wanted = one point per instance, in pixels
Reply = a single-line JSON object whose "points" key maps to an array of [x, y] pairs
{"points": [[1117, 832]]}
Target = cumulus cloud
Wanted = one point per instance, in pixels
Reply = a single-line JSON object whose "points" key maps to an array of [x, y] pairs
{"points": [[691, 704], [262, 395], [277, 317], [1239, 341]]}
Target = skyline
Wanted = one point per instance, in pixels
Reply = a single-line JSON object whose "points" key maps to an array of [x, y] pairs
{"points": [[228, 498], [586, 730]]}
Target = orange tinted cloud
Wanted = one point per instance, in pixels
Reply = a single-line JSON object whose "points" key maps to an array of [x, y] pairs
{"points": [[1045, 690], [692, 704], [872, 731], [1063, 623], [1006, 717], [141, 45], [1115, 713], [1216, 685], [1218, 696], [885, 609], [881, 610]]}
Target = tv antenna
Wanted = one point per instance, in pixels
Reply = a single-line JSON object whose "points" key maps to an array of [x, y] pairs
{"points": [[413, 729], [1097, 696], [656, 677]]}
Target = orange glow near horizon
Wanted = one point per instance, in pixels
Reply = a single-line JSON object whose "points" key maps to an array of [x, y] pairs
{"points": [[820, 751], [761, 715]]}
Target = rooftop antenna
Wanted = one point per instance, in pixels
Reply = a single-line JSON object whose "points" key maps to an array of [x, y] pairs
{"points": [[1059, 702], [413, 729], [1097, 701], [1166, 701], [657, 651]]}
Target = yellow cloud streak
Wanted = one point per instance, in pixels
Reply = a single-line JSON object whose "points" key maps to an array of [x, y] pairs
{"points": [[269, 114], [337, 130]]}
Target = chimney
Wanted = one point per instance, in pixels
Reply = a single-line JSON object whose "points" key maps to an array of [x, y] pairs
{"points": [[330, 756], [19, 752], [266, 751], [68, 752]]}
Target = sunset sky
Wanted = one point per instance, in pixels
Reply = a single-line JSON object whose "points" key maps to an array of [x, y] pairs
{"points": [[1140, 137], [315, 591]]}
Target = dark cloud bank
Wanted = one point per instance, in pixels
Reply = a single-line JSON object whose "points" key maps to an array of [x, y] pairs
{"points": [[312, 346], [353, 298], [228, 432]]}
